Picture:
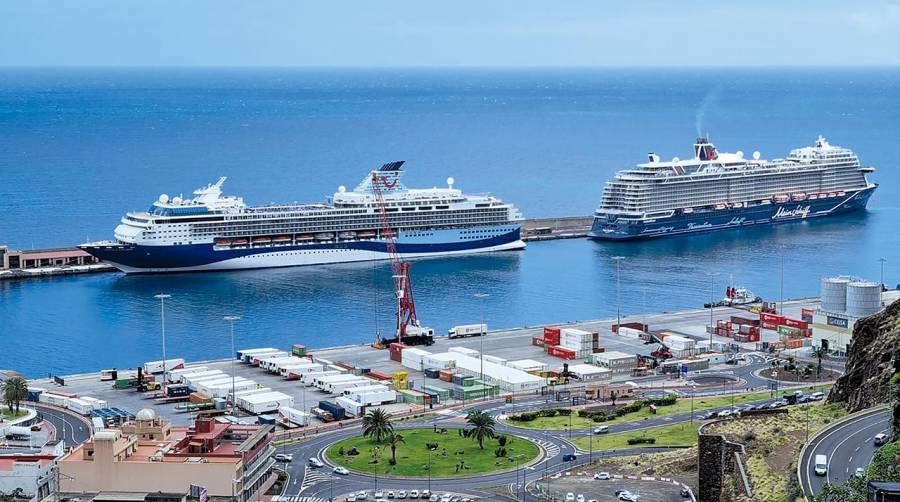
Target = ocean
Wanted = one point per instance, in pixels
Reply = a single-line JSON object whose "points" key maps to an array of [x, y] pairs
{"points": [[79, 148]]}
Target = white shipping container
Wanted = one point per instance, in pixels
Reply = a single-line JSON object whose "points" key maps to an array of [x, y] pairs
{"points": [[528, 365], [322, 382], [190, 378], [299, 368], [241, 354], [411, 358], [224, 389], [364, 388], [174, 376], [259, 359], [440, 361], [294, 416], [371, 397], [351, 407], [270, 365], [266, 403], [241, 393], [79, 406], [338, 388], [463, 350], [157, 366], [53, 399], [214, 380], [335, 367], [310, 378], [96, 403], [495, 359], [630, 332]]}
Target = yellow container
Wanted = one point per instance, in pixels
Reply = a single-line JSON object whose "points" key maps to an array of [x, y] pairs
{"points": [[401, 380]]}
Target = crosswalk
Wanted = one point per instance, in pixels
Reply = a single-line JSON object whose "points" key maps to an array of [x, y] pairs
{"points": [[552, 449], [310, 477], [298, 498]]}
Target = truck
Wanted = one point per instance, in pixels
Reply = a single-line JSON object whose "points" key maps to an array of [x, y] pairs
{"points": [[322, 415], [174, 376], [298, 368], [338, 388], [293, 416], [310, 378], [265, 403], [152, 367], [372, 396], [351, 407], [244, 354], [322, 382], [467, 330], [180, 390], [336, 411], [16, 432], [96, 403]]}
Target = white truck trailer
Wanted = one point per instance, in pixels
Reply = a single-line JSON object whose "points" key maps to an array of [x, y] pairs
{"points": [[151, 367], [246, 355], [79, 406], [266, 403], [467, 330], [188, 378], [310, 378], [338, 388], [293, 416], [322, 381], [372, 396], [271, 364], [259, 359], [174, 376]]}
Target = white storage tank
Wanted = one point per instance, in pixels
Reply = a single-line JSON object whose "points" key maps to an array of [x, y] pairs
{"points": [[863, 298], [834, 294]]}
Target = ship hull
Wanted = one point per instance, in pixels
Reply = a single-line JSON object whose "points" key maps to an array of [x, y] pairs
{"points": [[144, 259], [680, 223]]}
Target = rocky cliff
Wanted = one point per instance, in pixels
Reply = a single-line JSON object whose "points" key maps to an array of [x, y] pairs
{"points": [[873, 366]]}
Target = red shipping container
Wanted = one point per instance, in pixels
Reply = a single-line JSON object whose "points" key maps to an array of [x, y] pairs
{"points": [[377, 375], [551, 335], [537, 341], [445, 376], [754, 337], [769, 325], [794, 323], [772, 319], [743, 320], [396, 350], [807, 312], [561, 352]]}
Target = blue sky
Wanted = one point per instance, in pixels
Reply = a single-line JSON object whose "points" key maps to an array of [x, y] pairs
{"points": [[459, 33]]}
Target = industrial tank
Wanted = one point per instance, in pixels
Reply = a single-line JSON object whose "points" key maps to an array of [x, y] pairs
{"points": [[834, 294], [863, 298]]}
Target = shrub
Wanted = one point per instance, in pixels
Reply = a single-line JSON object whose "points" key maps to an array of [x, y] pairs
{"points": [[392, 461], [431, 446], [641, 440], [501, 440], [353, 451], [749, 436], [341, 451], [500, 452]]}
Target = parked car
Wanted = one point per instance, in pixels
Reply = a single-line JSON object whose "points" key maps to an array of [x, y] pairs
{"points": [[284, 457], [603, 476], [570, 497], [414, 494], [817, 396], [626, 496], [603, 429], [434, 498], [314, 462], [859, 473], [379, 494], [390, 494], [685, 492], [445, 497], [351, 497], [341, 470], [426, 494], [362, 495], [724, 414], [579, 498], [881, 438], [401, 494]]}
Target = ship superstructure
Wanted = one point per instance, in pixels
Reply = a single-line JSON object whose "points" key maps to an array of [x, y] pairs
{"points": [[714, 191], [212, 231]]}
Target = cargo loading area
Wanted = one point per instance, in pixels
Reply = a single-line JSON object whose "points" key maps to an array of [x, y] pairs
{"points": [[356, 377]]}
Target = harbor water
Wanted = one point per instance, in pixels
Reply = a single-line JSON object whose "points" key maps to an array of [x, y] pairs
{"points": [[81, 147]]}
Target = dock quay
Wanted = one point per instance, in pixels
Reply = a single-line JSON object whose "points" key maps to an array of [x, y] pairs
{"points": [[48, 262], [565, 227], [505, 348]]}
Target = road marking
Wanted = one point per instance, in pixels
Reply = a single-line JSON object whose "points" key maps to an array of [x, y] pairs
{"points": [[550, 449], [311, 477], [812, 452]]}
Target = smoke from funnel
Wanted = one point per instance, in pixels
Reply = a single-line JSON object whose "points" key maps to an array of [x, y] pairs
{"points": [[710, 100]]}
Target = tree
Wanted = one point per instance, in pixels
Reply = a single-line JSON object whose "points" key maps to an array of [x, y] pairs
{"points": [[393, 440], [480, 426], [15, 390], [612, 397], [819, 353], [377, 425]]}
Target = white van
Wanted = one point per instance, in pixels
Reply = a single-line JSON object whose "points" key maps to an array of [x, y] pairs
{"points": [[467, 330], [821, 465]]}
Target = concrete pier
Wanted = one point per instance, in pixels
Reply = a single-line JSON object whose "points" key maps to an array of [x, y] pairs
{"points": [[566, 227]]}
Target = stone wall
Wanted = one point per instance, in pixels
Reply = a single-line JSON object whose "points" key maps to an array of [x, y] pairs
{"points": [[715, 461]]}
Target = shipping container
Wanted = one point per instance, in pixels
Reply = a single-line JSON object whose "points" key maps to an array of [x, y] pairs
{"points": [[771, 319], [174, 376], [446, 375], [293, 416], [190, 378], [338, 388], [370, 397], [396, 350], [351, 407], [494, 359], [631, 325], [298, 349], [152, 367], [794, 323], [537, 341], [744, 321], [321, 381], [259, 359], [34, 394], [98, 404], [298, 368], [467, 330], [243, 354], [271, 364], [53, 399], [310, 378], [79, 406], [377, 375], [265, 403], [336, 411], [551, 335], [628, 332]]}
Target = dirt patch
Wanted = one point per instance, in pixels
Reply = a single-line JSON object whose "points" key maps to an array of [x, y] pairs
{"points": [[678, 464], [783, 375]]}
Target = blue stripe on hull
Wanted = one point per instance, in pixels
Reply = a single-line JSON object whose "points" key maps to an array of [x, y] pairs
{"points": [[680, 224], [186, 256]]}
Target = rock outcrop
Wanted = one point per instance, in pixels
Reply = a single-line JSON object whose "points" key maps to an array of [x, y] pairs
{"points": [[873, 367]]}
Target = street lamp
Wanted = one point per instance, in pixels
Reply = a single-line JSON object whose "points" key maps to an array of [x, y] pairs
{"points": [[231, 319], [162, 308], [712, 276], [781, 302], [482, 296], [618, 259], [881, 291]]}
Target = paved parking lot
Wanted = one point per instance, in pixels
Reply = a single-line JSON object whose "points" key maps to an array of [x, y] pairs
{"points": [[604, 491]]}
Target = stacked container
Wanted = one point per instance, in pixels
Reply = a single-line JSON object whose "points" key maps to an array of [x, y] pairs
{"points": [[412, 358], [396, 350], [552, 335], [465, 351]]}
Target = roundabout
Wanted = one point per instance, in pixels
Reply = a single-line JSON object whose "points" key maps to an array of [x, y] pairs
{"points": [[438, 452]]}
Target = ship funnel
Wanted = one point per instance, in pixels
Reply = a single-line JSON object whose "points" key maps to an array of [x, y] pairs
{"points": [[704, 150], [654, 158]]}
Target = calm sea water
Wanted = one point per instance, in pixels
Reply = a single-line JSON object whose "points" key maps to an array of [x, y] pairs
{"points": [[79, 148]]}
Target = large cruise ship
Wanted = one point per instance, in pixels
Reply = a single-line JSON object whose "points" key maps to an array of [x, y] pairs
{"points": [[217, 232], [715, 191]]}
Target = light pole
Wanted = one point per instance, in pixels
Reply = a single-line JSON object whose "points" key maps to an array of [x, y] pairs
{"points": [[231, 319], [881, 291], [781, 301], [162, 309], [618, 259], [482, 296], [429, 470], [712, 329], [693, 390]]}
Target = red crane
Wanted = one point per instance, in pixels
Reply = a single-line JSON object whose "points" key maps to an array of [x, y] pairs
{"points": [[406, 305]]}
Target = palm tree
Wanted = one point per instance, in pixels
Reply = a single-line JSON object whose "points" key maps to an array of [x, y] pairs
{"points": [[377, 425], [819, 353], [15, 390], [393, 440], [480, 426]]}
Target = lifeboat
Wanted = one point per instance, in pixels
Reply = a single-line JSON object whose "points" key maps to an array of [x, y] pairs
{"points": [[764, 202], [823, 195], [721, 206], [325, 236], [262, 240], [347, 235], [841, 194], [223, 242], [832, 194], [687, 210], [798, 196], [282, 238], [240, 242], [813, 196], [366, 234], [738, 204], [304, 238], [780, 199]]}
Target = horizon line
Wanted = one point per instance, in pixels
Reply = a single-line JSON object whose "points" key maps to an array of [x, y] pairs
{"points": [[446, 67]]}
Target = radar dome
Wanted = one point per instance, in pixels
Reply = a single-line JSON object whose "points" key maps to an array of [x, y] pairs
{"points": [[740, 154], [675, 160], [450, 181], [342, 189], [176, 200], [756, 155], [146, 414], [163, 199]]}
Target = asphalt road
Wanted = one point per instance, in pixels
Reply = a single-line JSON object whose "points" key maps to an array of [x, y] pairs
{"points": [[68, 428], [847, 445]]}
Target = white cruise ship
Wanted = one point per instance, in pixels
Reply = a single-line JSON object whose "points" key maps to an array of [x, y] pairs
{"points": [[716, 191], [217, 232]]}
